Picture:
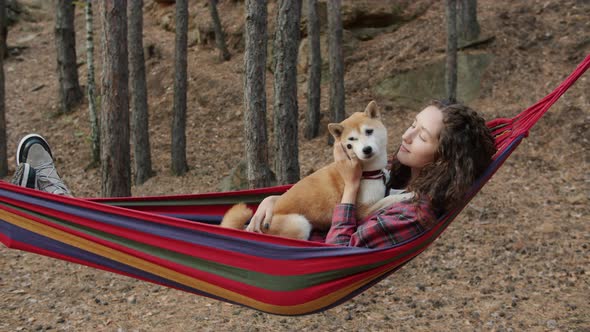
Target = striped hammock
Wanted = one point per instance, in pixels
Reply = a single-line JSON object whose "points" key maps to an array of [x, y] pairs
{"points": [[172, 240]]}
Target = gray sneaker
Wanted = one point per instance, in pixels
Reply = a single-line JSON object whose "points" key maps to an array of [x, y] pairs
{"points": [[34, 150], [25, 176]]}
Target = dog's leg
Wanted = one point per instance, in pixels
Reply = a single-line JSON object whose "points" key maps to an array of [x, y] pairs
{"points": [[237, 216]]}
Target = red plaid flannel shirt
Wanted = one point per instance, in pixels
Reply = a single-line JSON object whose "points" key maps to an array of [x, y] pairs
{"points": [[389, 226]]}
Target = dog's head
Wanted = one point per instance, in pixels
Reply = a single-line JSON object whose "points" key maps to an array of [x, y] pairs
{"points": [[364, 134]]}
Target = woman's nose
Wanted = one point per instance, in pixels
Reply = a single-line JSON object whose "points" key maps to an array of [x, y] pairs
{"points": [[407, 136]]}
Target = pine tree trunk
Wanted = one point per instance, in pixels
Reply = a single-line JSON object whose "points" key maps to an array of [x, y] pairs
{"points": [[65, 44], [255, 94], [451, 70], [224, 54], [3, 136], [337, 110], [468, 27], [314, 71], [91, 88], [4, 32], [286, 45], [179, 164], [115, 149], [139, 101]]}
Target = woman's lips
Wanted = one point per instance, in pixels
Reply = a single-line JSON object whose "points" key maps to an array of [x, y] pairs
{"points": [[403, 148]]}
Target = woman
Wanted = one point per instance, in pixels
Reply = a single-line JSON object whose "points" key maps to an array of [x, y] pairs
{"points": [[447, 147], [442, 153]]}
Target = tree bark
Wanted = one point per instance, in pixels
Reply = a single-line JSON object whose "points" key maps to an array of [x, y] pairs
{"points": [[139, 100], [286, 45], [337, 110], [179, 164], [451, 70], [91, 88], [65, 44], [314, 71], [224, 54], [255, 94], [468, 27], [4, 31], [3, 136], [115, 149]]}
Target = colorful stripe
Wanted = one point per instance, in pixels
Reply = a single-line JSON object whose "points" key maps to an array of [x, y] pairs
{"points": [[276, 302], [269, 274]]}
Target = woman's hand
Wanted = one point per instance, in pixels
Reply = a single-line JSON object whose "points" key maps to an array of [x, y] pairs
{"points": [[351, 173], [263, 215], [348, 165]]}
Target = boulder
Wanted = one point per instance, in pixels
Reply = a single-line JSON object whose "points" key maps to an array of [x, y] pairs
{"points": [[349, 43], [417, 87]]}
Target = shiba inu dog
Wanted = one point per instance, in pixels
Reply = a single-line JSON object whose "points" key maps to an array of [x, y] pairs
{"points": [[309, 204]]}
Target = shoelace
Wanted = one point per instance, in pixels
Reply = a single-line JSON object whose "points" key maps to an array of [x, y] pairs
{"points": [[51, 179], [17, 175]]}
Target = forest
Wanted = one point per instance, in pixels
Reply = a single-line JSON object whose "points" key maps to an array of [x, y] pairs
{"points": [[150, 98]]}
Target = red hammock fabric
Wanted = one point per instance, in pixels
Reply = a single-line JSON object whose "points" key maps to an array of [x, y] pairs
{"points": [[523, 122], [154, 238]]}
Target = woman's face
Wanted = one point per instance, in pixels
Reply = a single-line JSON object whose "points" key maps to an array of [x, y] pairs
{"points": [[420, 142]]}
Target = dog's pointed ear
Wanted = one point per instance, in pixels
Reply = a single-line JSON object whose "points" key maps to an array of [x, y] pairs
{"points": [[372, 110], [336, 130]]}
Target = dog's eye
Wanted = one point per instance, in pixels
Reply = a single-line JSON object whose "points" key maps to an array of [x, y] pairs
{"points": [[349, 146], [369, 132], [352, 138]]}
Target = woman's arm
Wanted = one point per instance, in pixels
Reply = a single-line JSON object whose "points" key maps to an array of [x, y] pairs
{"points": [[397, 223], [344, 217], [350, 171], [344, 225]]}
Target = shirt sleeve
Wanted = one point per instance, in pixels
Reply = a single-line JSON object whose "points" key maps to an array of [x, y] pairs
{"points": [[343, 225], [385, 228]]}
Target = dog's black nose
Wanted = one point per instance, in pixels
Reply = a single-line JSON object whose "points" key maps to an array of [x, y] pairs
{"points": [[367, 150]]}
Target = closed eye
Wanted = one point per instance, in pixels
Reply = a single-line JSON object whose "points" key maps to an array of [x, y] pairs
{"points": [[352, 138]]}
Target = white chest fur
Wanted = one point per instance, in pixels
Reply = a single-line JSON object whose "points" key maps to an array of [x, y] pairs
{"points": [[370, 191]]}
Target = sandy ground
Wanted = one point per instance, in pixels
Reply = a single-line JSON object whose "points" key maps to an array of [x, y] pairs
{"points": [[517, 258]]}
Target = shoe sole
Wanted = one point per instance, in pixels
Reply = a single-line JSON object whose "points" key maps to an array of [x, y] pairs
{"points": [[28, 177], [22, 143]]}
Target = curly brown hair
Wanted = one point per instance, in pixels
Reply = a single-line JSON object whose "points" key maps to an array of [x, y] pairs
{"points": [[466, 147]]}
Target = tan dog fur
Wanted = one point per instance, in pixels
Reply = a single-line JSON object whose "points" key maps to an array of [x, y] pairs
{"points": [[309, 204]]}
